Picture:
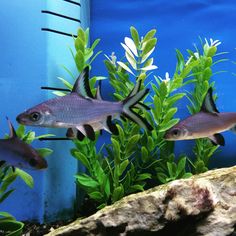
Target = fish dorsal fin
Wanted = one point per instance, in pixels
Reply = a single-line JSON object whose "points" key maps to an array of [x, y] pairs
{"points": [[98, 92], [81, 85], [208, 104], [12, 133], [217, 139]]}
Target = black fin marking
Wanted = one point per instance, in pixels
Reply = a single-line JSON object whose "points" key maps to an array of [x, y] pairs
{"points": [[81, 85], [141, 105], [11, 128], [70, 133], [111, 126], [89, 132], [208, 104], [217, 139], [80, 136], [98, 92], [56, 89], [130, 102]]}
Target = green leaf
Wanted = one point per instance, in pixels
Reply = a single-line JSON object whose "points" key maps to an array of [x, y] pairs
{"points": [[116, 150], [95, 43], [44, 152], [170, 113], [28, 179], [10, 178], [135, 36], [81, 157], [6, 195], [136, 187], [20, 131], [97, 196], [148, 46], [79, 60], [131, 61], [6, 215], [168, 125], [132, 143], [66, 83], [149, 35], [79, 45], [163, 90], [144, 176], [187, 175], [123, 166], [144, 153], [87, 181], [81, 35], [180, 60], [156, 111], [118, 193], [59, 93], [181, 166], [125, 67]]}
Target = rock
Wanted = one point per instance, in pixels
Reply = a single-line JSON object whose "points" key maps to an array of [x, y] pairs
{"points": [[202, 205]]}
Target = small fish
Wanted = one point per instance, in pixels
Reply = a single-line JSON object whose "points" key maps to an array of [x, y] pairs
{"points": [[206, 123], [14, 152], [82, 112]]}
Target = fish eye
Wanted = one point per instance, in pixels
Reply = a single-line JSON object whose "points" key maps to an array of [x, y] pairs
{"points": [[32, 162], [176, 132], [35, 116]]}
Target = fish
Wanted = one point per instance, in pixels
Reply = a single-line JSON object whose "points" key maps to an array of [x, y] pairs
{"points": [[16, 153], [81, 111], [207, 123]]}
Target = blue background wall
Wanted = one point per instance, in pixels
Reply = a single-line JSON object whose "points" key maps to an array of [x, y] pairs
{"points": [[178, 24]]}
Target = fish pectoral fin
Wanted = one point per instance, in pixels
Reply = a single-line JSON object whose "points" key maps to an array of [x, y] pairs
{"points": [[217, 139], [70, 133]]}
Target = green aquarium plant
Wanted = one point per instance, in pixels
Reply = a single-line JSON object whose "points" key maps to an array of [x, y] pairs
{"points": [[137, 159]]}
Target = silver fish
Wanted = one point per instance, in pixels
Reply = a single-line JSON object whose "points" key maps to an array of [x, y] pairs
{"points": [[14, 152], [206, 123], [81, 111]]}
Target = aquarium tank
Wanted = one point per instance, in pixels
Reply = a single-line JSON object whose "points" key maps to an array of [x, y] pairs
{"points": [[131, 70]]}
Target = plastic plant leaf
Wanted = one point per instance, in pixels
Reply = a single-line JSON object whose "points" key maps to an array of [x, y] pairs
{"points": [[144, 176], [81, 157], [131, 61], [97, 196], [123, 166], [116, 150], [168, 125], [28, 179], [95, 43], [79, 60], [6, 195], [66, 83], [151, 67], [6, 216], [118, 193], [181, 166], [87, 181], [20, 131], [125, 67], [148, 46], [127, 50], [145, 57], [59, 93], [135, 36], [131, 45], [149, 35], [44, 152]]}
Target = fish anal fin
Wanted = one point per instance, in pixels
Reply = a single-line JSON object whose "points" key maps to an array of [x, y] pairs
{"points": [[89, 131], [111, 126], [208, 104], [217, 139]]}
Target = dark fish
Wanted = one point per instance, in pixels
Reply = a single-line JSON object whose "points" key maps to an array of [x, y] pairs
{"points": [[206, 123], [14, 152], [84, 113]]}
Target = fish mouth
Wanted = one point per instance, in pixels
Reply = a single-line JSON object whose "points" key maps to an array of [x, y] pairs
{"points": [[20, 119]]}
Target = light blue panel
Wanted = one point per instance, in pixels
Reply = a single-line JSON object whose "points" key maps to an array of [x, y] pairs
{"points": [[23, 70], [178, 24], [31, 58], [60, 189]]}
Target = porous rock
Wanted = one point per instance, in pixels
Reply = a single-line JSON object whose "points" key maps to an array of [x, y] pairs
{"points": [[202, 205]]}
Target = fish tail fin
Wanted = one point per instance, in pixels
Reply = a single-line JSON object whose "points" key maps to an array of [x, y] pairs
{"points": [[131, 101]]}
